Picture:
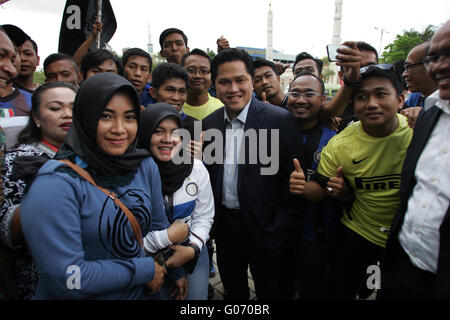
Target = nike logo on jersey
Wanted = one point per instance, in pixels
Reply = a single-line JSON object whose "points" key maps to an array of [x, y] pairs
{"points": [[356, 162]]}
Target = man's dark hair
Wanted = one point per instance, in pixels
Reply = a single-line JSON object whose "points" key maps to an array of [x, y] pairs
{"points": [[96, 57], [34, 44], [364, 46], [137, 52], [258, 63], [32, 133], [307, 73], [17, 35], [168, 32], [391, 75], [231, 55], [197, 52], [305, 55], [166, 71], [54, 57]]}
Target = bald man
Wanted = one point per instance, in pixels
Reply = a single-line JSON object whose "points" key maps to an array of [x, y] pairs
{"points": [[415, 74]]}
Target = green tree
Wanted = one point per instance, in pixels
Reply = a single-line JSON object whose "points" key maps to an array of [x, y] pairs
{"points": [[156, 59], [211, 53], [327, 72], [398, 50], [39, 76]]}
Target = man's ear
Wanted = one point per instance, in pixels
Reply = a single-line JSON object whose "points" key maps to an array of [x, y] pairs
{"points": [[401, 101], [153, 92], [161, 53], [188, 50]]}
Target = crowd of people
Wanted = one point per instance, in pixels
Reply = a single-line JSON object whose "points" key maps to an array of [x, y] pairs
{"points": [[306, 190]]}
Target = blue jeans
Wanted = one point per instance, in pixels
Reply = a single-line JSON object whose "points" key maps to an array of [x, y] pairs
{"points": [[198, 280]]}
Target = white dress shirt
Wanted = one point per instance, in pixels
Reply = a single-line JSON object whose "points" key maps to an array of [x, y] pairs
{"points": [[429, 201], [234, 133]]}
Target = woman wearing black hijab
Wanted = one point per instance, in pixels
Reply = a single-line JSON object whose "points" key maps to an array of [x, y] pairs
{"points": [[84, 243], [187, 195]]}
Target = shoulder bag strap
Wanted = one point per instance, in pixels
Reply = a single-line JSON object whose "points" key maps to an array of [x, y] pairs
{"points": [[131, 218]]}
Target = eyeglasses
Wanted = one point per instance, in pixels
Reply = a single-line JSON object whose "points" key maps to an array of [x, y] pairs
{"points": [[408, 66], [307, 95], [381, 66], [194, 71], [435, 58]]}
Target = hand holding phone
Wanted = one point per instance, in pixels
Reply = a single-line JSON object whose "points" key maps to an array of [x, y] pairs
{"points": [[332, 51]]}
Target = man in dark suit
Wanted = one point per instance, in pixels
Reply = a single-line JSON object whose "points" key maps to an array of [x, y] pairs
{"points": [[417, 262], [249, 177]]}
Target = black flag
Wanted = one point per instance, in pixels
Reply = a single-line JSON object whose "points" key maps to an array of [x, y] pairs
{"points": [[77, 22]]}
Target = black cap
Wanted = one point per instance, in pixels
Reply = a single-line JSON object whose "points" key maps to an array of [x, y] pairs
{"points": [[17, 35]]}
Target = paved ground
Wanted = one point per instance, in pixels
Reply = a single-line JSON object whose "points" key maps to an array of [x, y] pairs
{"points": [[218, 287], [217, 284]]}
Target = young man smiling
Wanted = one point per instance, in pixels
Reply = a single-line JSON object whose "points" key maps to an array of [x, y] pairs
{"points": [[199, 103], [313, 228], [252, 209], [170, 85], [369, 156]]}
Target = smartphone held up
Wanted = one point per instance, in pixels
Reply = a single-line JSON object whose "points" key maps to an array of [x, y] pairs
{"points": [[332, 51]]}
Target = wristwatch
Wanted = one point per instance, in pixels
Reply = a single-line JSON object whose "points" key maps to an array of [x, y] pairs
{"points": [[353, 84], [196, 249]]}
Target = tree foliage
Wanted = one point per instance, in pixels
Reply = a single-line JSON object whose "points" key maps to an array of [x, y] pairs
{"points": [[398, 50], [39, 76], [327, 72], [211, 53]]}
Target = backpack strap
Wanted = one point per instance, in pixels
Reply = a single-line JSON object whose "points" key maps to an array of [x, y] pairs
{"points": [[131, 218]]}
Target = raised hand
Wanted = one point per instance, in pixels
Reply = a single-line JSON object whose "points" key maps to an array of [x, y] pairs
{"points": [[336, 186], [297, 179]]}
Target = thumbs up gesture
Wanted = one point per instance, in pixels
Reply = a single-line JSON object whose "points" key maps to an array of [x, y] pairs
{"points": [[264, 97], [297, 179], [336, 186]]}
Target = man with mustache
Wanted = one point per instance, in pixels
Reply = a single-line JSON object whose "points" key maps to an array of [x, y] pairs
{"points": [[267, 83], [314, 226], [13, 101]]}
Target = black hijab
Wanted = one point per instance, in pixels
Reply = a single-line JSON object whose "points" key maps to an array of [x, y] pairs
{"points": [[92, 97], [172, 175]]}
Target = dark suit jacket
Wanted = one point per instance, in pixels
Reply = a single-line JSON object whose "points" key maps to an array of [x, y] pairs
{"points": [[264, 200], [424, 126]]}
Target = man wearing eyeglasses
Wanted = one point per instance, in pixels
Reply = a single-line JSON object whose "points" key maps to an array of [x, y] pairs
{"points": [[415, 74], [313, 227], [199, 103], [368, 155], [418, 82], [417, 261]]}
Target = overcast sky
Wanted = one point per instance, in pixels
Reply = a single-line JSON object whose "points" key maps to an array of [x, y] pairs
{"points": [[298, 25]]}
